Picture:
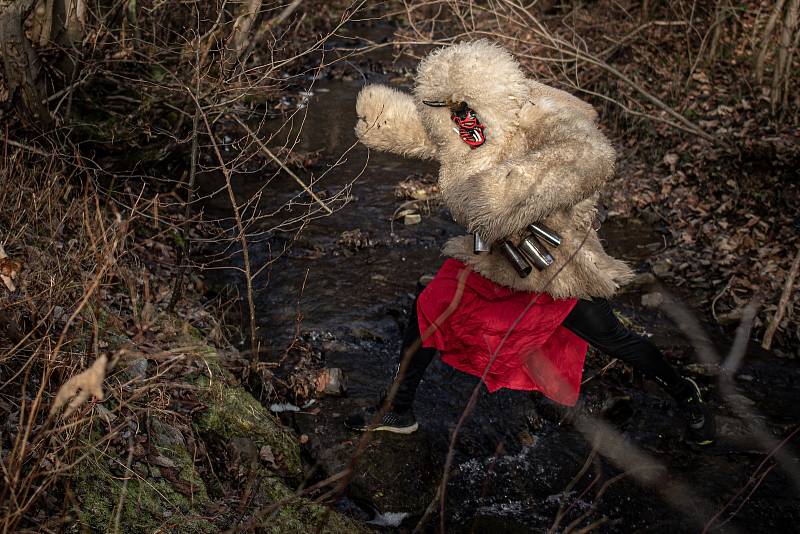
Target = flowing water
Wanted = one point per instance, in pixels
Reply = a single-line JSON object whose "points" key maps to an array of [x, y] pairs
{"points": [[515, 456]]}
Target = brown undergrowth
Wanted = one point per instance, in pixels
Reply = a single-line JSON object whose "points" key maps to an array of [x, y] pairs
{"points": [[169, 440], [89, 289], [107, 122]]}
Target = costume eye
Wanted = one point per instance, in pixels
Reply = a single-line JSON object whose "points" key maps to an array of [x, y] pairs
{"points": [[459, 108]]}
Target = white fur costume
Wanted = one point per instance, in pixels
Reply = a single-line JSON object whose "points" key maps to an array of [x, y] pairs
{"points": [[544, 160]]}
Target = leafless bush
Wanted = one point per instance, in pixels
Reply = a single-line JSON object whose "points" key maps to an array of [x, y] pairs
{"points": [[69, 249], [111, 111]]}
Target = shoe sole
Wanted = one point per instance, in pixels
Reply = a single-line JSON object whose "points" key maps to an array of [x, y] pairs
{"points": [[397, 430]]}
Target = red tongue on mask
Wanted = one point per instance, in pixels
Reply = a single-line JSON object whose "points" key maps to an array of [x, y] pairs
{"points": [[470, 128]]}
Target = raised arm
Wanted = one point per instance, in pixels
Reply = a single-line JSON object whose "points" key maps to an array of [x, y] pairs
{"points": [[568, 160], [389, 121]]}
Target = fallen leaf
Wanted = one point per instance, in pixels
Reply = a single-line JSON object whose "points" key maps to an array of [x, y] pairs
{"points": [[81, 386], [8, 269]]}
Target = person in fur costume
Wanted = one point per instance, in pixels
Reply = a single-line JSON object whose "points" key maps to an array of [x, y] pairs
{"points": [[512, 152]]}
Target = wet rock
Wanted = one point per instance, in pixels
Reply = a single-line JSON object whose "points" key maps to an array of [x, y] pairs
{"points": [[661, 268], [412, 218], [652, 300], [406, 459], [739, 402], [703, 369], [617, 410], [732, 428], [550, 411], [331, 381], [393, 473]]}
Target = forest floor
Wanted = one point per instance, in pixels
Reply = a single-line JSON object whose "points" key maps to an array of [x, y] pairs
{"points": [[184, 439]]}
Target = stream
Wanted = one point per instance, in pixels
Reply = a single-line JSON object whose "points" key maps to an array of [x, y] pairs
{"points": [[515, 456]]}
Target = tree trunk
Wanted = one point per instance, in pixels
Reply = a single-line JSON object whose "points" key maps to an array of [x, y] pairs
{"points": [[242, 28], [766, 38], [21, 65], [783, 66]]}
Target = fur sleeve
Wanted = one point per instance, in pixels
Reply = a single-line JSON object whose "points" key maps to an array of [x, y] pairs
{"points": [[567, 161], [389, 121]]}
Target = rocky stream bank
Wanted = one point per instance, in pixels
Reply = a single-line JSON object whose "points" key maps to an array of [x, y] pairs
{"points": [[344, 292]]}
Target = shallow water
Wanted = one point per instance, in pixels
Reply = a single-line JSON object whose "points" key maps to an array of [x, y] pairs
{"points": [[514, 458]]}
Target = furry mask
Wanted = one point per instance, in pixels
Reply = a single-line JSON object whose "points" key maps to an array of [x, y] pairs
{"points": [[480, 77]]}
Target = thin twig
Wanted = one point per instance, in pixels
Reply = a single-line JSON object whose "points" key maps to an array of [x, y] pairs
{"points": [[783, 303], [242, 237], [282, 165]]}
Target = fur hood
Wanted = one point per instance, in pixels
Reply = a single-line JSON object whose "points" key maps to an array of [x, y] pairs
{"points": [[544, 160], [459, 73]]}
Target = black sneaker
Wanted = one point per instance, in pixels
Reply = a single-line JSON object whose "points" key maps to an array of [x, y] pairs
{"points": [[701, 428], [392, 421]]}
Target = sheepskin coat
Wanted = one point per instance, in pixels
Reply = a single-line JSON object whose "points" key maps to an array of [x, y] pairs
{"points": [[544, 160]]}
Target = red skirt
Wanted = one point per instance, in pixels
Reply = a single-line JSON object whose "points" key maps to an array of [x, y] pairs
{"points": [[510, 339]]}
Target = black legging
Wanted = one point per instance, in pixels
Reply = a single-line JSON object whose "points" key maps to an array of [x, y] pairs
{"points": [[592, 320]]}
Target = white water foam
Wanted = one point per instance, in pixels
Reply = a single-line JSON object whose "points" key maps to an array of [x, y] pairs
{"points": [[388, 519]]}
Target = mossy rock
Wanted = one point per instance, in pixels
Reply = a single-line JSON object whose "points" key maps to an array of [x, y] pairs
{"points": [[301, 515], [234, 413], [156, 497], [150, 501]]}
